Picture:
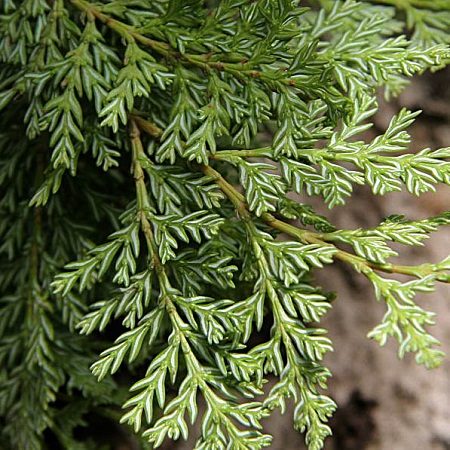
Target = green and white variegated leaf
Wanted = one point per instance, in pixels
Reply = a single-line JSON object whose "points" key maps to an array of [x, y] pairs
{"points": [[229, 115], [262, 189], [124, 248], [152, 387], [405, 320], [171, 229], [289, 260], [135, 79], [304, 302], [129, 343]]}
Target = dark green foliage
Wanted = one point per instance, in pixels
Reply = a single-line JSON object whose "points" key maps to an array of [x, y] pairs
{"points": [[156, 279]]}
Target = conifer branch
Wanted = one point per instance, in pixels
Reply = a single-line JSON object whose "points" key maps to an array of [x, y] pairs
{"points": [[276, 79], [181, 260], [360, 264]]}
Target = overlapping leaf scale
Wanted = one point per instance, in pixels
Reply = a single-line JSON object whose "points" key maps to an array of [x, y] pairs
{"points": [[290, 260], [363, 59], [410, 232], [129, 343], [153, 385], [188, 90], [131, 303], [262, 188], [136, 79], [193, 269], [217, 320], [215, 119], [371, 243], [384, 169], [304, 301], [298, 381], [171, 228], [79, 75], [293, 210], [99, 259], [172, 187], [258, 106], [405, 320]]}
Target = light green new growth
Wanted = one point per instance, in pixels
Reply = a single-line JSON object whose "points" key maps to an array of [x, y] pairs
{"points": [[159, 279]]}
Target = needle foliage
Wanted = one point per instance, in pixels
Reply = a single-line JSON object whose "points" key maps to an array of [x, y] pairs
{"points": [[150, 152]]}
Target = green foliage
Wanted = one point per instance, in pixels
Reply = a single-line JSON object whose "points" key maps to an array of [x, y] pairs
{"points": [[159, 280]]}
